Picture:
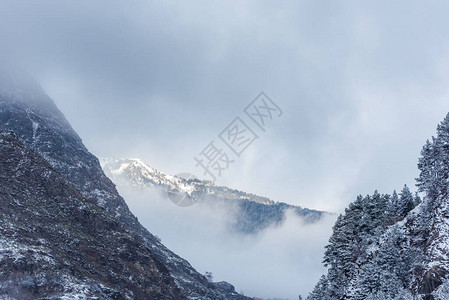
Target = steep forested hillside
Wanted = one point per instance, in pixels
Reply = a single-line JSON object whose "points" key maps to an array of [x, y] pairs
{"points": [[394, 246]]}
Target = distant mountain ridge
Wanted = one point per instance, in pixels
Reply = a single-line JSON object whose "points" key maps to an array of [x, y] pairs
{"points": [[135, 172], [254, 212]]}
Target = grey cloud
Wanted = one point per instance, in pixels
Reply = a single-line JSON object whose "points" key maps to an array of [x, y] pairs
{"points": [[362, 85]]}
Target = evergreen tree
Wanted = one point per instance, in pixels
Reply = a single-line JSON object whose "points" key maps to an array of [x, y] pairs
{"points": [[401, 205], [434, 164], [393, 211], [321, 290], [339, 257], [407, 202], [417, 199], [394, 204], [389, 270], [353, 234]]}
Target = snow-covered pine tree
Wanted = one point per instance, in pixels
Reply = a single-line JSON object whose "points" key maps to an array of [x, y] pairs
{"points": [[321, 290], [354, 233], [394, 253], [405, 203], [434, 164]]}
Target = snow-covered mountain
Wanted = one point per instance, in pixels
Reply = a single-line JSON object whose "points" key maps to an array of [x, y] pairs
{"points": [[252, 212], [134, 172], [65, 232]]}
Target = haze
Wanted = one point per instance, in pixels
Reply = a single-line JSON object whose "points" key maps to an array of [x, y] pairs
{"points": [[361, 85]]}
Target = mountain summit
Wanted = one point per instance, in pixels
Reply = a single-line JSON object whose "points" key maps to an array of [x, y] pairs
{"points": [[250, 213]]}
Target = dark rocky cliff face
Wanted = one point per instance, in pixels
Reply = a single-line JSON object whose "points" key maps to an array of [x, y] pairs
{"points": [[64, 226], [56, 243]]}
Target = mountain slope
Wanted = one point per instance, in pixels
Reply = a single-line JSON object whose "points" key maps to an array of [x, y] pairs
{"points": [[251, 213], [31, 115], [54, 243]]}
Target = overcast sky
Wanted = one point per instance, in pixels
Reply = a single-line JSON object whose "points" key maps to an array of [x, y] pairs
{"points": [[362, 86]]}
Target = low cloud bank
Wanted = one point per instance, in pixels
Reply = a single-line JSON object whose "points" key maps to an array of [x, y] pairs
{"points": [[277, 262]]}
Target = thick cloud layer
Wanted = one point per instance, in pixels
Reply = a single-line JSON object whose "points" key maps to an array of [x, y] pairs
{"points": [[361, 85]]}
